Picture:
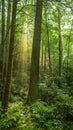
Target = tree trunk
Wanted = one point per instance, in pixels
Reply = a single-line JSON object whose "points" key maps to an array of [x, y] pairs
{"points": [[60, 47], [33, 93], [42, 57], [48, 41], [2, 44], [5, 98], [6, 45], [45, 59], [68, 45]]}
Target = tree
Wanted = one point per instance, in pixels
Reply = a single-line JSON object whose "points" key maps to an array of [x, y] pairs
{"points": [[60, 47], [33, 93], [42, 55], [6, 43], [45, 57], [7, 84], [68, 45], [2, 41], [48, 42]]}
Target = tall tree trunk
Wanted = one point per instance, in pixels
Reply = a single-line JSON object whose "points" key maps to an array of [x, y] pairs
{"points": [[48, 41], [6, 45], [45, 59], [60, 47], [68, 45], [2, 44], [7, 84], [42, 57], [33, 93]]}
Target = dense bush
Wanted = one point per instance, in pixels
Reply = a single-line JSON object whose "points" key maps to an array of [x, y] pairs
{"points": [[40, 115]]}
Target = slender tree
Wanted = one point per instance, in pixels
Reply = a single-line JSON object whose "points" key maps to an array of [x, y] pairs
{"points": [[60, 47], [33, 93], [45, 57], [2, 42], [68, 45], [48, 42], [6, 45], [42, 59], [7, 84]]}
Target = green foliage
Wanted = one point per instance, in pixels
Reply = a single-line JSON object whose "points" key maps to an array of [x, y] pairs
{"points": [[55, 110], [48, 92], [64, 105], [9, 119], [41, 112], [68, 79], [40, 115]]}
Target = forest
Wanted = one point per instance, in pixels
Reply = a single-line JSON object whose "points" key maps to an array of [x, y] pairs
{"points": [[36, 64]]}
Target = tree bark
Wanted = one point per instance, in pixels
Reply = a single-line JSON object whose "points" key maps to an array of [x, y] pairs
{"points": [[41, 60], [48, 43], [45, 59], [6, 45], [2, 45], [68, 45], [60, 47], [5, 97], [33, 93]]}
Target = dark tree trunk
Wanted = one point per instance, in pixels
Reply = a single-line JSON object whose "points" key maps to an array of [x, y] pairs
{"points": [[2, 45], [7, 84], [33, 93], [6, 45]]}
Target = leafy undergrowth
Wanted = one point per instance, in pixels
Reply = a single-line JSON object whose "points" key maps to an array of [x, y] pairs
{"points": [[39, 116], [55, 112]]}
